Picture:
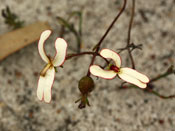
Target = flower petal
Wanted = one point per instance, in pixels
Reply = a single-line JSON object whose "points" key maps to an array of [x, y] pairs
{"points": [[45, 84], [107, 53], [131, 72], [98, 71], [61, 49], [44, 36], [132, 80]]}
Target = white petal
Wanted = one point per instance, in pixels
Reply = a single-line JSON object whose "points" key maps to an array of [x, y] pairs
{"points": [[45, 84], [131, 72], [44, 36], [98, 71], [107, 53], [61, 48], [132, 80]]}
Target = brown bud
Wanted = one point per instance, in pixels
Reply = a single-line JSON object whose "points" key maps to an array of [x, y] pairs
{"points": [[86, 85]]}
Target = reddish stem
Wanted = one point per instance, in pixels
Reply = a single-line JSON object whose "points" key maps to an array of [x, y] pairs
{"points": [[105, 34], [85, 53], [129, 34]]}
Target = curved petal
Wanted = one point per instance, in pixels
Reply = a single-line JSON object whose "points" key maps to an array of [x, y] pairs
{"points": [[44, 36], [132, 80], [133, 73], [45, 84], [107, 53], [98, 71], [61, 49]]}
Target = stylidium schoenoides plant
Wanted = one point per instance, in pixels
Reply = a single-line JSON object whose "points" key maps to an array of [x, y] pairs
{"points": [[127, 74], [47, 75], [86, 84]]}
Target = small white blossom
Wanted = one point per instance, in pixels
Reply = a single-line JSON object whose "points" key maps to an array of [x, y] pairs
{"points": [[47, 75], [127, 74]]}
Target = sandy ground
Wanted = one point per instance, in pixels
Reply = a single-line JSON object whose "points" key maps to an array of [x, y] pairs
{"points": [[111, 109]]}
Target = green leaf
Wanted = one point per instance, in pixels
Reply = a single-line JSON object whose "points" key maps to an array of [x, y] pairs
{"points": [[64, 23], [11, 18]]}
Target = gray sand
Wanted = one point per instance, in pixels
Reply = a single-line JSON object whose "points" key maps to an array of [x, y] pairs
{"points": [[111, 109]]}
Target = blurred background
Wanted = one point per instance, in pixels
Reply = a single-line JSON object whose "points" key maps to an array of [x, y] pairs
{"points": [[112, 108]]}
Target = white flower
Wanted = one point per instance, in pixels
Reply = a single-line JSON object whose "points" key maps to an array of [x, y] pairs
{"points": [[129, 75], [47, 75]]}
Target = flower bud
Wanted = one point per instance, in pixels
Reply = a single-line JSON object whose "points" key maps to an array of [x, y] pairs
{"points": [[86, 85]]}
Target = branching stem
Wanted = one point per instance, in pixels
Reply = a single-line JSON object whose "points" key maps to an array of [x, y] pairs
{"points": [[69, 56], [129, 34], [105, 34]]}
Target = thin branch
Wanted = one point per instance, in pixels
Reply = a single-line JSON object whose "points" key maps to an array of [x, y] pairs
{"points": [[105, 34], [80, 32], [154, 92], [129, 34], [168, 72], [160, 95], [110, 27], [132, 47], [69, 56]]}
